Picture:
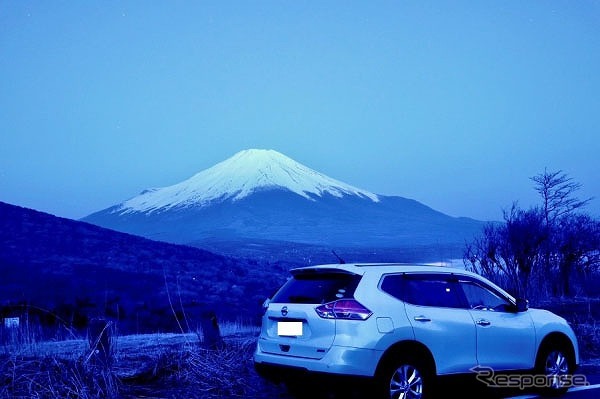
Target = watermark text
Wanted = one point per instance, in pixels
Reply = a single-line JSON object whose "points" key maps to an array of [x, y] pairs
{"points": [[489, 377]]}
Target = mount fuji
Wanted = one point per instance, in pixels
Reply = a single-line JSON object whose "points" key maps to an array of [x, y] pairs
{"points": [[238, 177], [259, 195]]}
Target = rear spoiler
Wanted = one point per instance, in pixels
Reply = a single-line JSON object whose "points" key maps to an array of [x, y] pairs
{"points": [[319, 270]]}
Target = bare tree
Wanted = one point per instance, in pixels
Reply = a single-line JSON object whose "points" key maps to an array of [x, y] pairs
{"points": [[562, 251], [542, 249], [578, 249], [510, 252], [558, 194], [485, 256]]}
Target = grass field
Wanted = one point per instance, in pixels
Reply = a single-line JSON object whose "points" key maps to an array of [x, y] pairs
{"points": [[171, 365], [149, 366]]}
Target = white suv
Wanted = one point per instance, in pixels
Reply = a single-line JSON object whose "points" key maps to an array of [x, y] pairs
{"points": [[403, 325]]}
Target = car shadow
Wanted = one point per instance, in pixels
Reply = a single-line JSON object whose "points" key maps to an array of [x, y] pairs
{"points": [[444, 387]]}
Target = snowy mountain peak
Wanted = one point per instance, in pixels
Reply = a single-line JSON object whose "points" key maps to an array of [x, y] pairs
{"points": [[239, 176]]}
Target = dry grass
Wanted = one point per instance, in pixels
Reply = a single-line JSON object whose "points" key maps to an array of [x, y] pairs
{"points": [[165, 365], [588, 335], [151, 365], [583, 314], [33, 371], [50, 377], [194, 372]]}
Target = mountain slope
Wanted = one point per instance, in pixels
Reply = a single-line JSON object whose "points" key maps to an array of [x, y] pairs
{"points": [[264, 195], [76, 271]]}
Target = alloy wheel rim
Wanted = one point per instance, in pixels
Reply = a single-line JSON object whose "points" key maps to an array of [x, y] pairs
{"points": [[406, 383], [557, 368]]}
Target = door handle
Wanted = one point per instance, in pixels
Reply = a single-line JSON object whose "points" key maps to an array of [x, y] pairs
{"points": [[422, 318], [483, 322]]}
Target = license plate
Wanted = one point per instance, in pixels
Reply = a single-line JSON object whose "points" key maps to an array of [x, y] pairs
{"points": [[289, 328]]}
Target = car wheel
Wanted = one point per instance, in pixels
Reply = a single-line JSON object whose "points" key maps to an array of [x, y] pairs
{"points": [[556, 364], [405, 379]]}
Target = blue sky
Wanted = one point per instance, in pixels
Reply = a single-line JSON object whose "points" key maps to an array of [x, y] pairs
{"points": [[455, 104]]}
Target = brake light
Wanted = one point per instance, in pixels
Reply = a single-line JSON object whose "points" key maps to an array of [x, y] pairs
{"points": [[343, 309], [265, 306]]}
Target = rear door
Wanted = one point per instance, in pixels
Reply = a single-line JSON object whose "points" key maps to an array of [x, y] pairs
{"points": [[436, 310], [291, 326]]}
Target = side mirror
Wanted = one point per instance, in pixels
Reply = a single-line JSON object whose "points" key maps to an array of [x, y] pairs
{"points": [[522, 304]]}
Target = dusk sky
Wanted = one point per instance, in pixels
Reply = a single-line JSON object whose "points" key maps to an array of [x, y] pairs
{"points": [[454, 104]]}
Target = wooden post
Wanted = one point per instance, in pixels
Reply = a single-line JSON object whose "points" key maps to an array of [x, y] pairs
{"points": [[210, 331], [99, 336]]}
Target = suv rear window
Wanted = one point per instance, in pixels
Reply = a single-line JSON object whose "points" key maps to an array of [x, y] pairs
{"points": [[317, 287]]}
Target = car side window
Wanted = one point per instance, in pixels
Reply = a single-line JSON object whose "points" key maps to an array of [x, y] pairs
{"points": [[392, 284], [481, 298], [424, 290]]}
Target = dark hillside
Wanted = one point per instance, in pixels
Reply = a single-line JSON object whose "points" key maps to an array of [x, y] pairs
{"points": [[75, 271]]}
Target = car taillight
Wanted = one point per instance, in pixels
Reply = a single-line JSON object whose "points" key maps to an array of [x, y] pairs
{"points": [[265, 306], [343, 309]]}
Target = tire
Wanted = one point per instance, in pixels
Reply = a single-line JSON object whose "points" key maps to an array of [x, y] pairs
{"points": [[405, 378], [556, 363]]}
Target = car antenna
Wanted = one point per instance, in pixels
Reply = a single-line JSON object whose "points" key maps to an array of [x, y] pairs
{"points": [[340, 260]]}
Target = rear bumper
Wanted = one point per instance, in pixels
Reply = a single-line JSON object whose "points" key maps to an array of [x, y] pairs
{"points": [[300, 380], [278, 373], [339, 360]]}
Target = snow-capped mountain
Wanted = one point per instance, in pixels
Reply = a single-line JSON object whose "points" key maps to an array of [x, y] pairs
{"points": [[238, 177], [259, 195]]}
